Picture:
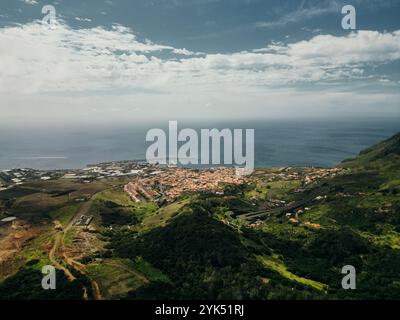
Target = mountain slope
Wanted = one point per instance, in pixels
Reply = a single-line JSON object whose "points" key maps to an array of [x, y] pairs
{"points": [[384, 156]]}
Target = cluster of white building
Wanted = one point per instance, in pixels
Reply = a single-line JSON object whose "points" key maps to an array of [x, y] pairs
{"points": [[13, 177]]}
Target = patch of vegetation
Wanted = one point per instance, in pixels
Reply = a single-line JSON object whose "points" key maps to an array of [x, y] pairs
{"points": [[153, 218], [120, 197], [64, 214], [148, 270], [113, 214], [116, 277], [16, 192], [204, 259], [275, 264]]}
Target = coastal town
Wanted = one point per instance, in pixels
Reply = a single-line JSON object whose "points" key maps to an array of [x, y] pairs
{"points": [[168, 184], [165, 184], [152, 182]]}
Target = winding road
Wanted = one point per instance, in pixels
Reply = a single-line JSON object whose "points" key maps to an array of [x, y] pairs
{"points": [[281, 210]]}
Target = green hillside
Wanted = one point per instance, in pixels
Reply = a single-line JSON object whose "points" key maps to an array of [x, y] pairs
{"points": [[201, 247], [385, 150], [383, 157]]}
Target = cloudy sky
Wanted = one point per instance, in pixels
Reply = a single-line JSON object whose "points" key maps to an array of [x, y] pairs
{"points": [[120, 61]]}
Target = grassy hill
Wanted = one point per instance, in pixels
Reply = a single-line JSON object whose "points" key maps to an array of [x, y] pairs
{"points": [[385, 150], [381, 160], [383, 157]]}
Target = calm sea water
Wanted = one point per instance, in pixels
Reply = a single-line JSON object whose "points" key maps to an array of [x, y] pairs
{"points": [[277, 143]]}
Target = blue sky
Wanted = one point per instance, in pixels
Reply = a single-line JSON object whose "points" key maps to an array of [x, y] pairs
{"points": [[214, 25], [121, 60]]}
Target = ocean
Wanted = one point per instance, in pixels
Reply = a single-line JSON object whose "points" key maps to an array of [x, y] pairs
{"points": [[277, 142]]}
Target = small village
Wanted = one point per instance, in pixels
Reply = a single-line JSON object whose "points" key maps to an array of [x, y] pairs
{"points": [[307, 174]]}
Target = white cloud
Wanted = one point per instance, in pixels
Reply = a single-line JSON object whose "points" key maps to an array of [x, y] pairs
{"points": [[32, 2], [83, 19], [358, 47], [37, 59], [301, 14], [185, 52], [66, 64]]}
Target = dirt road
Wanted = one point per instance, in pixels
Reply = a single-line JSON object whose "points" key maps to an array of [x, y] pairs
{"points": [[53, 260], [59, 240]]}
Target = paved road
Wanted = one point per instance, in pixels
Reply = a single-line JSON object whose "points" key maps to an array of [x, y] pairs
{"points": [[254, 215]]}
